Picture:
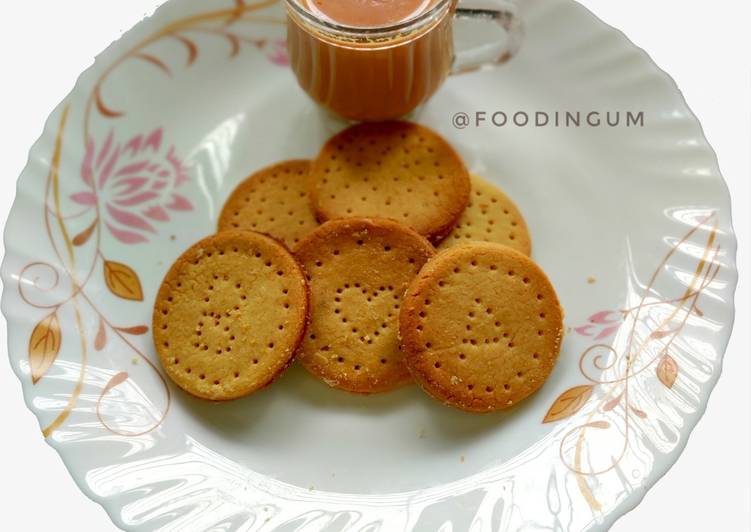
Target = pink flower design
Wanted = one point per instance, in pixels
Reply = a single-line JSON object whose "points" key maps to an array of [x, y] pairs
{"points": [[134, 185], [602, 324], [277, 52]]}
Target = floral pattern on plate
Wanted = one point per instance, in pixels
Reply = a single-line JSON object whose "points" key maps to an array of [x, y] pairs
{"points": [[131, 170]]}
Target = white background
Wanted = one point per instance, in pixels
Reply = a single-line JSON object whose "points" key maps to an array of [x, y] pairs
{"points": [[45, 44]]}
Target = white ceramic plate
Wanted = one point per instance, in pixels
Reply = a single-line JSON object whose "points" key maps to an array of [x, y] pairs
{"points": [[631, 223]]}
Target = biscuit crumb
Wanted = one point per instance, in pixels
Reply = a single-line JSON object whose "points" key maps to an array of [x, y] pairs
{"points": [[455, 380], [461, 459], [173, 238], [591, 280]]}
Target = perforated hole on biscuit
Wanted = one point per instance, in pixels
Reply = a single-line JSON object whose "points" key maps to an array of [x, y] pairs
{"points": [[213, 333], [374, 296]]}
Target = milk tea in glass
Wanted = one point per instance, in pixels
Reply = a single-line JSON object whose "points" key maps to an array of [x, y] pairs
{"points": [[370, 60]]}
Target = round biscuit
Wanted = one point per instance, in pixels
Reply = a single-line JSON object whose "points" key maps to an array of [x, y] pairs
{"points": [[398, 170], [273, 201], [358, 270], [481, 327], [490, 216], [230, 315]]}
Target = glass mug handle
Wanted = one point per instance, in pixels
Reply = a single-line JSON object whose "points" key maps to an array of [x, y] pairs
{"points": [[474, 48]]}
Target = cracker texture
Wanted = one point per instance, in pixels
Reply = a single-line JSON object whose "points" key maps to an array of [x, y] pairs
{"points": [[481, 327], [230, 315], [358, 270]]}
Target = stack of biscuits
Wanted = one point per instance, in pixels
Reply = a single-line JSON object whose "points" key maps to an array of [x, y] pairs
{"points": [[380, 263]]}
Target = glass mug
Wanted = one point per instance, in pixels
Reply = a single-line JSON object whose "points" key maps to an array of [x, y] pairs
{"points": [[381, 73]]}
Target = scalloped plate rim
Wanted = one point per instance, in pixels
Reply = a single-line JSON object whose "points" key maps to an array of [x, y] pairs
{"points": [[657, 472]]}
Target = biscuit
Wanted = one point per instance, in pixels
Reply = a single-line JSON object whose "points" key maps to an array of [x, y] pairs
{"points": [[490, 216], [230, 315], [358, 270], [273, 201], [396, 170], [481, 327]]}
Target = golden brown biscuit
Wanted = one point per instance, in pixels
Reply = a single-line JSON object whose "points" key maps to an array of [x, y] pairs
{"points": [[481, 327], [230, 315], [491, 216], [358, 270], [273, 201], [397, 170]]}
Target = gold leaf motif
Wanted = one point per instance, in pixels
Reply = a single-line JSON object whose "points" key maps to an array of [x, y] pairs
{"points": [[662, 334], [568, 403], [101, 337], [136, 331], [667, 370], [154, 60], [102, 108], [44, 346], [234, 41], [85, 235], [122, 281], [191, 47], [610, 405], [115, 381]]}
